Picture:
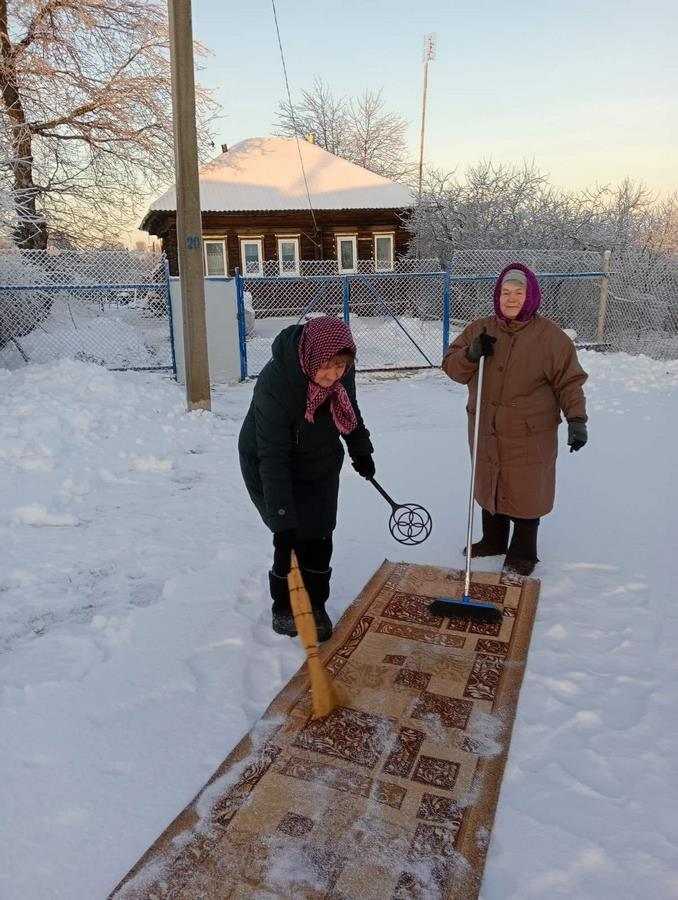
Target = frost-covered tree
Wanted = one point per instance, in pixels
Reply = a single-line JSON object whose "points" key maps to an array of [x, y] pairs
{"points": [[12, 208], [496, 206], [18, 315], [360, 129], [85, 113]]}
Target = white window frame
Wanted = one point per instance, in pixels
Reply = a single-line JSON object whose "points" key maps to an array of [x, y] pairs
{"points": [[354, 240], [260, 243], [391, 236], [215, 240], [288, 239]]}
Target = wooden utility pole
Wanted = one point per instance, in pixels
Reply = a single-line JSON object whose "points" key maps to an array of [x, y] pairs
{"points": [[189, 220], [429, 54]]}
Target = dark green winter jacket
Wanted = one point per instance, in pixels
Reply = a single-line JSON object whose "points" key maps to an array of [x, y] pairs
{"points": [[291, 466]]}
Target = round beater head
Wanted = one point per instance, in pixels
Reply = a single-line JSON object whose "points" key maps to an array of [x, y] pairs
{"points": [[411, 524]]}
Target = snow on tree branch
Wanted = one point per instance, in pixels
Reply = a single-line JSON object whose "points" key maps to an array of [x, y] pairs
{"points": [[86, 114]]}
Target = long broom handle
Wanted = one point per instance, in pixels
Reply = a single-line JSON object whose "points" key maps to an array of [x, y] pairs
{"points": [[469, 532], [394, 506]]}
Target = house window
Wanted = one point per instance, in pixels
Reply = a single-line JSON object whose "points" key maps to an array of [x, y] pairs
{"points": [[347, 253], [252, 256], [383, 252], [288, 255], [215, 258]]}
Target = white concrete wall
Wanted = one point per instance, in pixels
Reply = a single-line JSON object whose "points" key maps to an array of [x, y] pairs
{"points": [[223, 348]]}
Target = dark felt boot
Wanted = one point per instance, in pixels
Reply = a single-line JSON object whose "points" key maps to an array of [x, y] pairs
{"points": [[282, 620], [318, 587], [522, 552], [495, 537]]}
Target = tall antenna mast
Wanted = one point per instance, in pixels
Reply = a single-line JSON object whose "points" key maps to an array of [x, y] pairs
{"points": [[429, 54]]}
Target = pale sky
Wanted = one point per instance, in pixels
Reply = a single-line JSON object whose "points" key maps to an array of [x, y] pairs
{"points": [[588, 91]]}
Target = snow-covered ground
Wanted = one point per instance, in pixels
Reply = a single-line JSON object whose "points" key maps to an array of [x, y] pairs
{"points": [[135, 648]]}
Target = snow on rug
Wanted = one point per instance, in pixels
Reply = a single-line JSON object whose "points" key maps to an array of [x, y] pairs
{"points": [[392, 797]]}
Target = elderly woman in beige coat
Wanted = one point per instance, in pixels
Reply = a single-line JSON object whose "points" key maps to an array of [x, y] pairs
{"points": [[532, 374]]}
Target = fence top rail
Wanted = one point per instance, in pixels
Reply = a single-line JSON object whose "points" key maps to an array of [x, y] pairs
{"points": [[373, 276], [488, 278], [145, 285], [78, 254], [350, 276], [210, 278], [365, 276]]}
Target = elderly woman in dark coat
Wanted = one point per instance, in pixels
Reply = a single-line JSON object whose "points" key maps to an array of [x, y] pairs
{"points": [[291, 455], [532, 374]]}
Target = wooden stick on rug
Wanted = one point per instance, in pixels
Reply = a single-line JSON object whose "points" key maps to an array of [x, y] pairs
{"points": [[324, 692]]}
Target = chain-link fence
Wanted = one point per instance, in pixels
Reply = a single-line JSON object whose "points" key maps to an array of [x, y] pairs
{"points": [[111, 307], [570, 284], [404, 319], [641, 308], [616, 301], [396, 318], [107, 307]]}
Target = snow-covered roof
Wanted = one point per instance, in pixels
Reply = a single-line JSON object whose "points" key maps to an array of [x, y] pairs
{"points": [[265, 174]]}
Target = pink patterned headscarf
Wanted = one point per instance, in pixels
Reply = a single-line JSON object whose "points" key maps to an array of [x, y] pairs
{"points": [[321, 339]]}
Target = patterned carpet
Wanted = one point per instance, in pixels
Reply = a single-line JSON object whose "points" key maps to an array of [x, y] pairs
{"points": [[392, 796]]}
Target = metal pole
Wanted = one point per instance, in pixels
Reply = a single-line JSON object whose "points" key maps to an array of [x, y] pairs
{"points": [[604, 289], [189, 221], [476, 428], [423, 129], [168, 300], [446, 310], [242, 328], [429, 54], [346, 295]]}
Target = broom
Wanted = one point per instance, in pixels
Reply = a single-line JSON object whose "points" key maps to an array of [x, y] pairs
{"points": [[467, 606], [324, 692]]}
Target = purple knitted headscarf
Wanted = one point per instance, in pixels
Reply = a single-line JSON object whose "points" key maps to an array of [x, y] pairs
{"points": [[532, 297]]}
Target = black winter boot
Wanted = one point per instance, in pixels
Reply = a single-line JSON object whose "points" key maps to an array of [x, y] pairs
{"points": [[282, 620], [495, 537], [318, 587], [522, 552]]}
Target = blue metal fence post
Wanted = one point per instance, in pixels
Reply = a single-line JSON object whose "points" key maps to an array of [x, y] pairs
{"points": [[346, 294], [446, 308], [168, 302], [242, 328]]}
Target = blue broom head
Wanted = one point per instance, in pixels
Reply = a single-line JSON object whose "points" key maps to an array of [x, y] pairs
{"points": [[477, 609]]}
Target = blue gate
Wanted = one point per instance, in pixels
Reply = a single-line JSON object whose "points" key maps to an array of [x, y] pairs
{"points": [[399, 320]]}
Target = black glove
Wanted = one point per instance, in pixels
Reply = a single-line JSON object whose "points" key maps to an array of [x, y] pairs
{"points": [[285, 540], [577, 435], [480, 346], [364, 465]]}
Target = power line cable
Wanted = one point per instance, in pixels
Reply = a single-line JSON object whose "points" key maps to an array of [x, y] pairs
{"points": [[294, 121]]}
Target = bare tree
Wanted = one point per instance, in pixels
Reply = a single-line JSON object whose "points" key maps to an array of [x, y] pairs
{"points": [[377, 137], [359, 129], [320, 113], [86, 113]]}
